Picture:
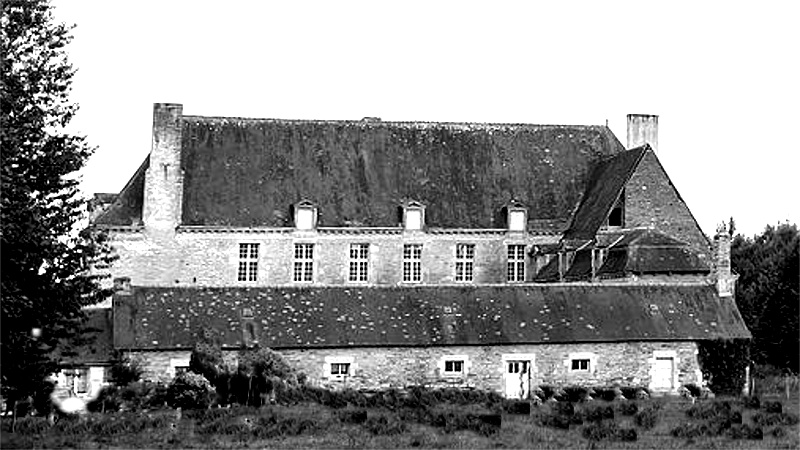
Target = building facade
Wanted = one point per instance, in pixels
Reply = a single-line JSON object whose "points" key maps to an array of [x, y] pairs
{"points": [[387, 254]]}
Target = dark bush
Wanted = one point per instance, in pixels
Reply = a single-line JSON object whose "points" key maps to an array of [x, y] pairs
{"points": [[723, 361], [385, 426], [517, 407], [555, 421], [773, 407], [647, 418], [355, 416], [125, 370], [575, 394], [605, 393], [627, 408], [563, 408], [772, 419], [190, 391], [108, 400], [694, 390], [598, 413], [548, 391], [707, 410], [688, 430], [608, 431], [751, 402], [29, 425], [778, 433], [745, 432]]}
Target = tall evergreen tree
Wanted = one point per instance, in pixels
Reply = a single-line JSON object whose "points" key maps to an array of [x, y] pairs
{"points": [[768, 293], [46, 270]]}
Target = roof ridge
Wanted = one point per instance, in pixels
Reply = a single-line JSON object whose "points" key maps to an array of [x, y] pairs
{"points": [[390, 122]]}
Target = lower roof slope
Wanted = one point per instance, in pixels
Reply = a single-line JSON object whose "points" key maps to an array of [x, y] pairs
{"points": [[168, 318]]}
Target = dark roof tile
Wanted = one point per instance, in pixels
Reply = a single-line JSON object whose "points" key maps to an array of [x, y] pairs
{"points": [[159, 318]]}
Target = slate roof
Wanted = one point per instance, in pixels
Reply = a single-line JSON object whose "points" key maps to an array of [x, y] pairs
{"points": [[247, 172], [169, 318], [603, 188], [96, 344], [637, 251], [126, 210], [648, 251]]}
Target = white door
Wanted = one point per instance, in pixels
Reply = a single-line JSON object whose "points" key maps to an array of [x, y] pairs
{"points": [[517, 378], [663, 372]]}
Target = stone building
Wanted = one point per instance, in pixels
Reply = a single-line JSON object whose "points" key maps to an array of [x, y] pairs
{"points": [[386, 254]]}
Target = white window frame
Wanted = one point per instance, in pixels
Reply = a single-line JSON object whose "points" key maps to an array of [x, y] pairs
{"points": [[465, 366], [412, 263], [331, 360], [514, 262], [304, 262], [358, 268], [247, 268], [465, 262], [591, 357]]}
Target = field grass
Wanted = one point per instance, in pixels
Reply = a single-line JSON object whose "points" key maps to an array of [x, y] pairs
{"points": [[316, 426]]}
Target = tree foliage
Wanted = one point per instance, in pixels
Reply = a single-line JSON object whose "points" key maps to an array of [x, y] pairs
{"points": [[46, 264], [768, 293]]}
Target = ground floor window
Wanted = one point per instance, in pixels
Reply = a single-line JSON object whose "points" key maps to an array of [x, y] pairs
{"points": [[581, 362], [453, 366], [338, 367]]}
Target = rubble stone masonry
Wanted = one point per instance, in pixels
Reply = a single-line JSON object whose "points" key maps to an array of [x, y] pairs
{"points": [[628, 363]]}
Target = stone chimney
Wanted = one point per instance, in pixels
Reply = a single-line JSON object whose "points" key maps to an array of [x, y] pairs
{"points": [[643, 129], [163, 186], [726, 280]]}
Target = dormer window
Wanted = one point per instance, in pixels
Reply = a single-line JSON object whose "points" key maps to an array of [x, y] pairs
{"points": [[517, 217], [413, 216], [616, 217], [305, 215]]}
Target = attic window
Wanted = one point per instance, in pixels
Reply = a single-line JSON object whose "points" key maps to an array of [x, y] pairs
{"points": [[305, 215], [517, 217], [413, 216]]}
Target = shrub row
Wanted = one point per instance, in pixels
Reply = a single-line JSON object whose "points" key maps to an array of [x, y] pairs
{"points": [[576, 394], [608, 431], [104, 425]]}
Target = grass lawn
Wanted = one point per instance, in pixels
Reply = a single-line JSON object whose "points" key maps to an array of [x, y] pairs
{"points": [[316, 426]]}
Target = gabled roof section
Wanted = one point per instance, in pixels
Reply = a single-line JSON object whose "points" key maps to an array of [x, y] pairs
{"points": [[650, 252], [94, 345], [631, 252], [169, 318], [126, 210], [604, 186], [246, 172]]}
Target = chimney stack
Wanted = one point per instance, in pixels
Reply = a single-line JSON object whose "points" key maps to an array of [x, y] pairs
{"points": [[163, 186], [726, 279], [643, 129]]}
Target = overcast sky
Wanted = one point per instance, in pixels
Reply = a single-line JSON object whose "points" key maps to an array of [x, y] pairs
{"points": [[722, 76]]}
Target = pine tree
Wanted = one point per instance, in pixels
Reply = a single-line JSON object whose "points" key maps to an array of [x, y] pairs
{"points": [[46, 270]]}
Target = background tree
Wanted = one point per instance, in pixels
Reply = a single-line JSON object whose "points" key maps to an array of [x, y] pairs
{"points": [[46, 277], [768, 293]]}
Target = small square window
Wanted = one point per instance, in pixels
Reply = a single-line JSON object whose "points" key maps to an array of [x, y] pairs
{"points": [[454, 367], [580, 365], [340, 369]]}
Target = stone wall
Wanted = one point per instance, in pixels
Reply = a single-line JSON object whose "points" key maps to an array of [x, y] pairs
{"points": [[195, 258], [651, 200], [628, 363]]}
